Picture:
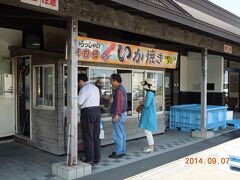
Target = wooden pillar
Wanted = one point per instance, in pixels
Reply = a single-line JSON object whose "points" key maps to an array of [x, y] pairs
{"points": [[72, 84], [203, 89]]}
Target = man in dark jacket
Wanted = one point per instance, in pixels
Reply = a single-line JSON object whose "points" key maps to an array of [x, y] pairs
{"points": [[119, 115]]}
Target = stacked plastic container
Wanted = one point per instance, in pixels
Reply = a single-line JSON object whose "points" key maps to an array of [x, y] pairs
{"points": [[187, 118], [234, 157]]}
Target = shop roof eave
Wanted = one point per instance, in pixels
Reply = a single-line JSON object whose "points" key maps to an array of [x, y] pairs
{"points": [[180, 18], [213, 10]]}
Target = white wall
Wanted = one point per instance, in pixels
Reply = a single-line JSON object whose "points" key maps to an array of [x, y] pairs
{"points": [[183, 73], [9, 37], [5, 67], [190, 73]]}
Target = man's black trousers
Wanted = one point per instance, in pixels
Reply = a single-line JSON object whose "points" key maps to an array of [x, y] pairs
{"points": [[90, 123]]}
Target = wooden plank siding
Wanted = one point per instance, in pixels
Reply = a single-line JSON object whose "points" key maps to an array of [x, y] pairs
{"points": [[47, 125]]}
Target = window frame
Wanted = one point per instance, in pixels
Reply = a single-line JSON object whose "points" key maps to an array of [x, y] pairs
{"points": [[99, 68], [133, 115], [163, 81], [44, 107]]}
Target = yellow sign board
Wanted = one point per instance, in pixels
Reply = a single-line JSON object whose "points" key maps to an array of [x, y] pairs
{"points": [[95, 50]]}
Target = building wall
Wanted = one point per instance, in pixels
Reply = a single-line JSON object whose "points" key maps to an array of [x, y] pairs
{"points": [[190, 78], [183, 73], [48, 125], [7, 102], [9, 37], [191, 72], [234, 65]]}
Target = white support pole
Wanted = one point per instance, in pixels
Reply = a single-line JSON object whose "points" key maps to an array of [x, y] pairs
{"points": [[204, 90], [72, 84]]}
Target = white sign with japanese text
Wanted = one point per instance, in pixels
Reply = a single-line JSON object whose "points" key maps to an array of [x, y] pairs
{"points": [[32, 2], [50, 4]]}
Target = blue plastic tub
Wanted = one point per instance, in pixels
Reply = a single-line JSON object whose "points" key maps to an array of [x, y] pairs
{"points": [[187, 118]]}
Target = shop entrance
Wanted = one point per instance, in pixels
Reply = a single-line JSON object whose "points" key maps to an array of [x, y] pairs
{"points": [[23, 85]]}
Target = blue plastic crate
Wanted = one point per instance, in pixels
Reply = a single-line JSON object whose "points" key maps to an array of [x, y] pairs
{"points": [[188, 117], [235, 123]]}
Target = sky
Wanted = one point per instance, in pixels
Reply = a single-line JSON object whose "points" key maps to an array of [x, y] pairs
{"points": [[231, 5]]}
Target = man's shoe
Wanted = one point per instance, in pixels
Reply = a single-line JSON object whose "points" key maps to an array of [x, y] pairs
{"points": [[113, 153], [96, 162], [89, 162], [115, 156]]}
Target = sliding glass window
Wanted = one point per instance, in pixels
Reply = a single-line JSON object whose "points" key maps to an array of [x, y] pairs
{"points": [[101, 78], [157, 79], [138, 91]]}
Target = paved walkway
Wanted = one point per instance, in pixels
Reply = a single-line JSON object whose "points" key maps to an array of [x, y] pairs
{"points": [[138, 167], [210, 164], [21, 162]]}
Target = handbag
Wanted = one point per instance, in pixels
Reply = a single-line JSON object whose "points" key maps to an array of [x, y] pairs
{"points": [[139, 108]]}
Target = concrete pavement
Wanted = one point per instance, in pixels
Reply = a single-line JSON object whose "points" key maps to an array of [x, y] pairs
{"points": [[21, 162]]}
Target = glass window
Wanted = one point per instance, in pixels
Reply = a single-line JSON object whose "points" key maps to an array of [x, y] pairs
{"points": [[138, 91], [101, 78], [157, 79], [81, 70], [44, 86], [127, 83]]}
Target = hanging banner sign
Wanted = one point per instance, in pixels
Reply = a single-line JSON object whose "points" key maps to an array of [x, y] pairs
{"points": [[95, 50], [50, 4]]}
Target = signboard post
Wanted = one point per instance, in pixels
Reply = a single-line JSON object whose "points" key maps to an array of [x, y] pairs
{"points": [[72, 84]]}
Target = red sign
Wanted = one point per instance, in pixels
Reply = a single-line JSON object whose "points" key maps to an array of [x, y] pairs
{"points": [[227, 49], [50, 4]]}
